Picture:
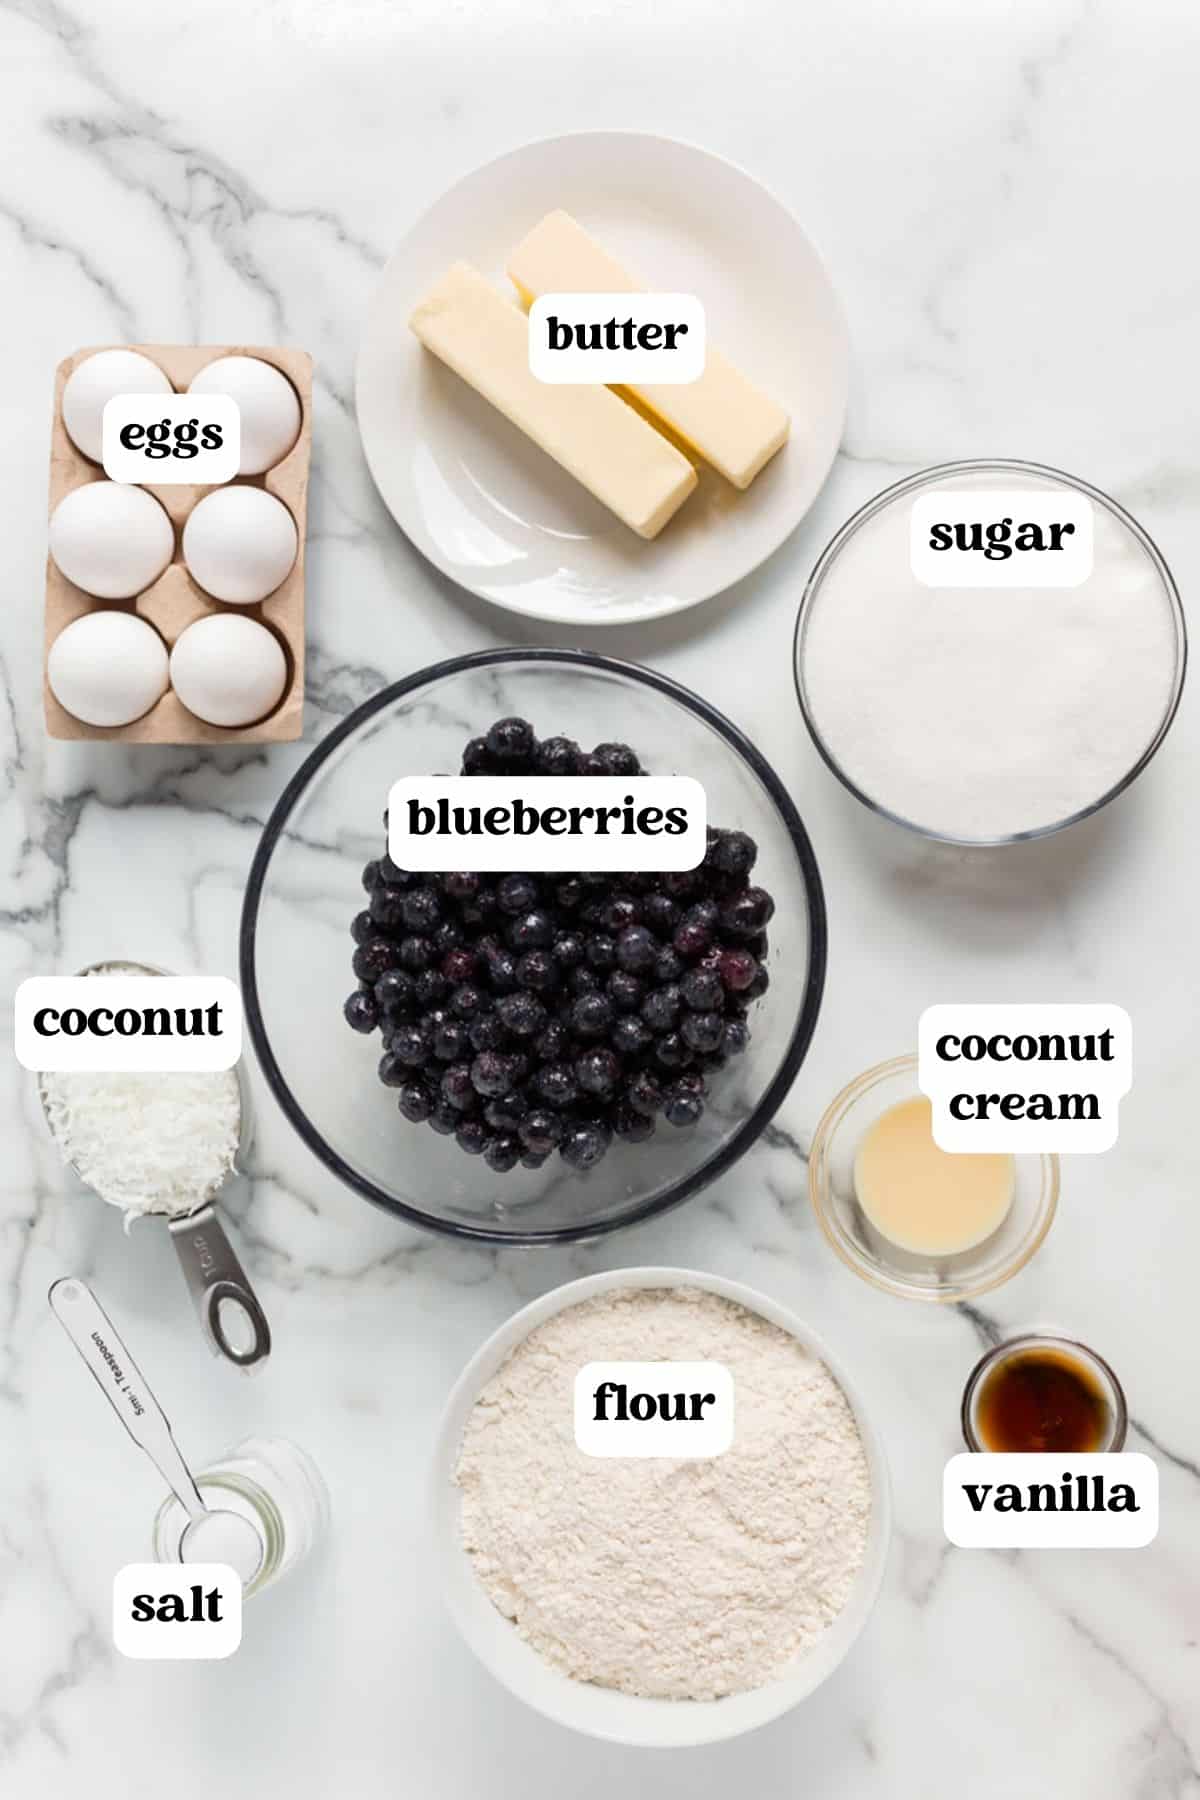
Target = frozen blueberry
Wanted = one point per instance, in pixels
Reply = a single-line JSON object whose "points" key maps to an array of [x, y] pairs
{"points": [[493, 1074], [760, 984], [583, 980], [554, 1043], [501, 970], [671, 1052], [410, 1045], [702, 1031], [362, 926], [620, 913], [394, 993], [444, 1118], [392, 1072], [506, 1112], [471, 1136], [556, 756], [735, 1037], [570, 893], [702, 990], [591, 1015], [532, 930], [511, 739], [537, 971], [634, 1126], [372, 876], [737, 969], [458, 1088], [416, 1101], [461, 884], [661, 913], [583, 1146], [660, 1008], [568, 949], [414, 953], [387, 907], [630, 1036], [636, 949], [645, 1092], [734, 853], [668, 964], [540, 1130], [555, 1084], [375, 958], [625, 991], [516, 893], [530, 1160], [747, 912], [683, 1106], [429, 987], [487, 1032], [617, 759], [477, 758], [521, 1014], [598, 1071], [450, 1040], [361, 1011], [502, 1153], [420, 908], [468, 1001]]}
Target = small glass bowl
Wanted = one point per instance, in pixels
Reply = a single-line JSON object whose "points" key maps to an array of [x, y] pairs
{"points": [[1103, 1375], [946, 1279]]}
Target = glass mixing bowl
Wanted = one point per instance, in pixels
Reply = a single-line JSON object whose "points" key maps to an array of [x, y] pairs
{"points": [[305, 887]]}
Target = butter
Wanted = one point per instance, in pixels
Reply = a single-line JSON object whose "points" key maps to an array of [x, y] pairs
{"points": [[592, 433], [722, 416]]}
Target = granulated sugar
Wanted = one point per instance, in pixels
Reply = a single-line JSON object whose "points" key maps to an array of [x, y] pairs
{"points": [[681, 1579], [980, 713]]}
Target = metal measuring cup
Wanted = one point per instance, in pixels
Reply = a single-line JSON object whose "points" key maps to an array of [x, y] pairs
{"points": [[228, 1309]]}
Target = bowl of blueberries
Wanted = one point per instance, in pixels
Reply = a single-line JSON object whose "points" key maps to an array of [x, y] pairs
{"points": [[530, 1058]]}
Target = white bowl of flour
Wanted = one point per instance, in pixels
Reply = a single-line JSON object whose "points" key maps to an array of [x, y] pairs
{"points": [[619, 1595]]}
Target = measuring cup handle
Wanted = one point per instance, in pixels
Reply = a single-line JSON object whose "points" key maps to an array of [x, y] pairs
{"points": [[218, 1286]]}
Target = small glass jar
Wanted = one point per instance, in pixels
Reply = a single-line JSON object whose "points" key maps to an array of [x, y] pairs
{"points": [[274, 1485], [1091, 1366]]}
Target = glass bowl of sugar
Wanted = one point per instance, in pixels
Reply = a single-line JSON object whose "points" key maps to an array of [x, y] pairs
{"points": [[910, 1218], [981, 714]]}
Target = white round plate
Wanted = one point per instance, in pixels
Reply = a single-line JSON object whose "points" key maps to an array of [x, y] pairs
{"points": [[488, 507]]}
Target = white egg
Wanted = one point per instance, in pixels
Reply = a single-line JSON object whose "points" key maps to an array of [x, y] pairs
{"points": [[94, 382], [110, 539], [239, 543], [107, 668], [267, 401], [228, 670]]}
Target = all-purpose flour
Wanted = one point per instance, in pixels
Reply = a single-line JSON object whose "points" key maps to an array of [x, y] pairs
{"points": [[681, 1579]]}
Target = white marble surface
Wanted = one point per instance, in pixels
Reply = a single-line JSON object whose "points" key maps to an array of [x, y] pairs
{"points": [[1004, 195]]}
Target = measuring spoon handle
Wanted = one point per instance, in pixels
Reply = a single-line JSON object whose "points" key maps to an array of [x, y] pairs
{"points": [[95, 1337], [228, 1308]]}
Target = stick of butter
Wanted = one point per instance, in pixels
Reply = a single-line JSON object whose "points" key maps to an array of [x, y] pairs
{"points": [[595, 436], [722, 415]]}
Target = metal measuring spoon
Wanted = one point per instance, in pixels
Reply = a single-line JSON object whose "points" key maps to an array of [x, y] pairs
{"points": [[226, 1304], [230, 1538]]}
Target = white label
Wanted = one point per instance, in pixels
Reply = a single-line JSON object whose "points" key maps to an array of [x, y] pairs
{"points": [[542, 823], [172, 438], [1034, 537], [675, 1409], [137, 1023], [1041, 1502], [1025, 1078], [580, 338], [169, 1612]]}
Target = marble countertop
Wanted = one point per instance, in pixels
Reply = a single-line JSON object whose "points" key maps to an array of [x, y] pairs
{"points": [[1002, 195]]}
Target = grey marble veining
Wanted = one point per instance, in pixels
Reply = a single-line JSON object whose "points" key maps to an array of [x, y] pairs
{"points": [[1003, 196]]}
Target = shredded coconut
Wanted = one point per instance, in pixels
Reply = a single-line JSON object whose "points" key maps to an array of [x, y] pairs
{"points": [[147, 1143], [684, 1579]]}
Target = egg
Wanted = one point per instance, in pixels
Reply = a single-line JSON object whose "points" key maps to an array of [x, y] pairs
{"points": [[91, 384], [228, 670], [110, 539], [239, 543], [267, 401], [107, 668]]}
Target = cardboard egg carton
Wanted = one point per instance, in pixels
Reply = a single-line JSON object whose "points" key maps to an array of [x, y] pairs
{"points": [[174, 600]]}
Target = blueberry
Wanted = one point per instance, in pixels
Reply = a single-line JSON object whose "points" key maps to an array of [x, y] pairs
{"points": [[645, 1092], [554, 1043], [361, 1011], [617, 759], [625, 991], [671, 1052], [477, 758], [511, 739], [737, 969], [583, 1146], [493, 1074], [570, 893], [460, 965], [568, 949], [601, 951], [668, 964], [487, 1032], [734, 853], [532, 930], [506, 1112], [634, 1126], [537, 971], [461, 884], [502, 1153], [760, 984], [736, 1037], [501, 970], [429, 987], [661, 913], [516, 893], [421, 908], [372, 876], [598, 1071], [619, 913], [458, 1088], [540, 1131], [410, 1045], [444, 1118], [471, 1136], [521, 1014], [415, 953], [703, 1031], [387, 907], [591, 1015], [583, 981], [394, 993], [747, 912], [531, 1160], [702, 990], [630, 1036], [362, 926], [416, 1101], [450, 1041], [660, 1008], [555, 1084], [375, 958], [682, 1108], [636, 949], [468, 1001], [591, 764], [556, 756], [392, 1071], [679, 883]]}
